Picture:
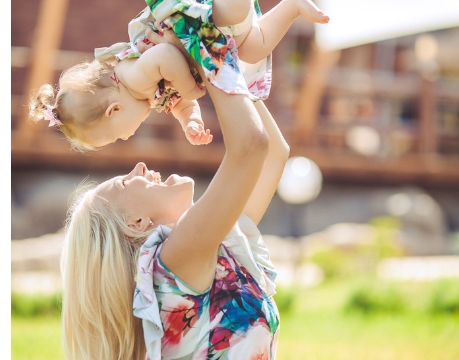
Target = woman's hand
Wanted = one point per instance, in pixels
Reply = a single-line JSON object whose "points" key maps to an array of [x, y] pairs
{"points": [[162, 36], [143, 45]]}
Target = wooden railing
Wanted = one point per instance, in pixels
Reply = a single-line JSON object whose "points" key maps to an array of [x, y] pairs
{"points": [[312, 130]]}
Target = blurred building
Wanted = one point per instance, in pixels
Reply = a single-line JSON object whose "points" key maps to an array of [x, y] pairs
{"points": [[384, 113]]}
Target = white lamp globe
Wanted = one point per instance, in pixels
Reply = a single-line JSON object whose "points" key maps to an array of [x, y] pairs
{"points": [[301, 181]]}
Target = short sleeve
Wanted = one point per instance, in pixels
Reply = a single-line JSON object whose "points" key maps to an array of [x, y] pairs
{"points": [[247, 245]]}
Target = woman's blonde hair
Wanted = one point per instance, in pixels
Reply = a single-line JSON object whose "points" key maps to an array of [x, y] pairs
{"points": [[78, 100], [98, 263]]}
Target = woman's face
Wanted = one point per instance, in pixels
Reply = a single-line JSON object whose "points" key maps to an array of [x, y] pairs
{"points": [[143, 197]]}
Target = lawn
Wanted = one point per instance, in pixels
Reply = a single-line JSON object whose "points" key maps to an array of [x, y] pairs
{"points": [[337, 320], [407, 321], [36, 338]]}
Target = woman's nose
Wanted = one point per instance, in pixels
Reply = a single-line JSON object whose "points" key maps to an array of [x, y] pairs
{"points": [[140, 168]]}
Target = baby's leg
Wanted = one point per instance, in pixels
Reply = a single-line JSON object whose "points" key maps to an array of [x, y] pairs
{"points": [[311, 12], [263, 37], [226, 13]]}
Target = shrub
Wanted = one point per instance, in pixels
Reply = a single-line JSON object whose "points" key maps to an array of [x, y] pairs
{"points": [[376, 297], [27, 305], [336, 262], [445, 297], [284, 299], [359, 257]]}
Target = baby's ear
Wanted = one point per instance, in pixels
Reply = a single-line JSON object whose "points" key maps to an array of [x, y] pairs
{"points": [[113, 108]]}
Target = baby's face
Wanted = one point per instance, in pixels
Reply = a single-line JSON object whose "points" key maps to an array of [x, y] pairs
{"points": [[121, 122]]}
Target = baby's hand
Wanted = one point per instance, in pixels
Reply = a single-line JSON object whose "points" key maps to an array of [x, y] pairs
{"points": [[196, 134]]}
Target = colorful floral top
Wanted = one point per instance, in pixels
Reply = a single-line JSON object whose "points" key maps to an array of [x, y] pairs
{"points": [[235, 319]]}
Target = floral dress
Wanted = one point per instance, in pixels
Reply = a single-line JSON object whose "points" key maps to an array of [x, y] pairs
{"points": [[213, 48], [235, 319]]}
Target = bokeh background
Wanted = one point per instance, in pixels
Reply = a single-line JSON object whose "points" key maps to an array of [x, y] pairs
{"points": [[364, 229]]}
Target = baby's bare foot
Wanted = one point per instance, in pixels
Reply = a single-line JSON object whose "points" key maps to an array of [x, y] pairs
{"points": [[311, 12]]}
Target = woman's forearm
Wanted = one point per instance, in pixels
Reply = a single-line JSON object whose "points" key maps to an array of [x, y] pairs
{"points": [[273, 167], [240, 123], [278, 146]]}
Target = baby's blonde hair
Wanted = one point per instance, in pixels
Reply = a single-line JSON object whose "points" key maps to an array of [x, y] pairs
{"points": [[98, 263], [78, 101]]}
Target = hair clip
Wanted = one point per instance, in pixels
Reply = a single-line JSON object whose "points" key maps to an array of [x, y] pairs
{"points": [[50, 116]]}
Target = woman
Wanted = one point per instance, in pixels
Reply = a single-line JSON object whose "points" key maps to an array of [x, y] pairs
{"points": [[203, 291]]}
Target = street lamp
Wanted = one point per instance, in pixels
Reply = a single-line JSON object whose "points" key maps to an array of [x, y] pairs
{"points": [[301, 182]]}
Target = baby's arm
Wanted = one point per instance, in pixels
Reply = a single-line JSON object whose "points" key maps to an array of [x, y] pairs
{"points": [[188, 113]]}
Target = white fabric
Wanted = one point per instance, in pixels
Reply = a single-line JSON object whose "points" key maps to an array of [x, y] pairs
{"points": [[238, 29], [136, 31]]}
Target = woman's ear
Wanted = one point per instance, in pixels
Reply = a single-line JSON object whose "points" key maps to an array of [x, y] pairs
{"points": [[113, 108], [140, 224]]}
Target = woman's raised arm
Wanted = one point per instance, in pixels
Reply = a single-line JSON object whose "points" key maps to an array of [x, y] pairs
{"points": [[273, 167], [191, 250]]}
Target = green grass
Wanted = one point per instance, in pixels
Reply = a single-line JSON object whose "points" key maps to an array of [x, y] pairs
{"points": [[326, 323], [341, 336], [36, 338], [323, 337], [338, 320]]}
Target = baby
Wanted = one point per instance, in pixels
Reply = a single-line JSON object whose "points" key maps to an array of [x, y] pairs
{"points": [[107, 99]]}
